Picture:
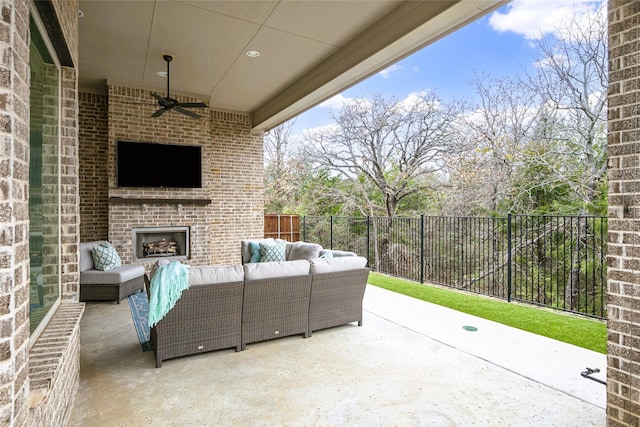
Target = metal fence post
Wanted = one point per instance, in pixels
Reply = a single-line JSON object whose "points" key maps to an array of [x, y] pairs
{"points": [[509, 257], [368, 239], [304, 228], [421, 248], [331, 232]]}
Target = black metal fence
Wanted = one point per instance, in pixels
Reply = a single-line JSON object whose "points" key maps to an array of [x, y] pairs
{"points": [[552, 261]]}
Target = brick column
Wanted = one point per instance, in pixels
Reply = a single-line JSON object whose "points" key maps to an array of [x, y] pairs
{"points": [[623, 310], [70, 184]]}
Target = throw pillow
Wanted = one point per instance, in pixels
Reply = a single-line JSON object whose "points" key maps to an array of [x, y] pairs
{"points": [[327, 254], [105, 257], [273, 251], [254, 249], [302, 250]]}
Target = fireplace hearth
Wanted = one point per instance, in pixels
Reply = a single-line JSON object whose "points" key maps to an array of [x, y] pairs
{"points": [[157, 242]]}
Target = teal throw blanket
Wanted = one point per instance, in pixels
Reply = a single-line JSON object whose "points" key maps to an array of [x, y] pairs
{"points": [[167, 285]]}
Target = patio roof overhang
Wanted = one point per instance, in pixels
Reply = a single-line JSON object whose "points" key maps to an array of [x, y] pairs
{"points": [[309, 50]]}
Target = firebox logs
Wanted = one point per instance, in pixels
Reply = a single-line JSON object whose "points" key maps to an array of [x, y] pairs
{"points": [[159, 248]]}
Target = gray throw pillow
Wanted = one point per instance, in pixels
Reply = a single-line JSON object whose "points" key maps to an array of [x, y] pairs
{"points": [[302, 250]]}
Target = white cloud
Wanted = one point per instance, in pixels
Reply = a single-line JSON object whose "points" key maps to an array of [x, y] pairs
{"points": [[386, 73], [319, 130], [534, 18], [336, 101], [415, 99]]}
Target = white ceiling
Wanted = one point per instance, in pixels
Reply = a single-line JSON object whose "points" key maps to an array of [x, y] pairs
{"points": [[309, 50]]}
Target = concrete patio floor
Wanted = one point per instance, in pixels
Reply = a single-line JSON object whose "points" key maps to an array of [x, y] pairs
{"points": [[410, 364]]}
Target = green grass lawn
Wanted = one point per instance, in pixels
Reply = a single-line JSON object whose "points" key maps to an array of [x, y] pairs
{"points": [[583, 332]]}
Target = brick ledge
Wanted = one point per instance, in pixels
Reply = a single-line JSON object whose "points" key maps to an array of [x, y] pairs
{"points": [[47, 354]]}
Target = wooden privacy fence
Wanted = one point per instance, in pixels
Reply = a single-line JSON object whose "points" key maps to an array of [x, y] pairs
{"points": [[285, 227]]}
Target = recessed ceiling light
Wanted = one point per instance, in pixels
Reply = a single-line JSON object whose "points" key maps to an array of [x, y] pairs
{"points": [[80, 13], [162, 73], [253, 53]]}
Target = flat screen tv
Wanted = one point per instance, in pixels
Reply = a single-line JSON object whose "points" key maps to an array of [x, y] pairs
{"points": [[148, 164]]}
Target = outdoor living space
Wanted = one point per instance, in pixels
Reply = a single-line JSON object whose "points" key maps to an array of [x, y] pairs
{"points": [[84, 76], [411, 363]]}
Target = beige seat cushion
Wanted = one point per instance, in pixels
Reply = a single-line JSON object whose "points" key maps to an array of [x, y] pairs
{"points": [[206, 275], [329, 265], [111, 277], [270, 270]]}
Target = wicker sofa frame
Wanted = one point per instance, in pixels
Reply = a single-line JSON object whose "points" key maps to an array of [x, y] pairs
{"points": [[275, 307], [206, 317], [336, 298], [111, 291]]}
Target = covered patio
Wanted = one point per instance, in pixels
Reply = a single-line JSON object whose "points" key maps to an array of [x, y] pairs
{"points": [[411, 363], [100, 79]]}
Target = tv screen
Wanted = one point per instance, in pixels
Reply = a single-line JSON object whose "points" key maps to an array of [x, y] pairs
{"points": [[148, 164]]}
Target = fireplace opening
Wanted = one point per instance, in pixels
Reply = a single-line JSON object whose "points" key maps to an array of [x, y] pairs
{"points": [[160, 242]]}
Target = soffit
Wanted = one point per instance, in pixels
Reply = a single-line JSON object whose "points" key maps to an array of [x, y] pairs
{"points": [[310, 50]]}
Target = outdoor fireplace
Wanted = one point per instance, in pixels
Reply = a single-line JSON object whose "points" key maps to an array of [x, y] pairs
{"points": [[160, 242]]}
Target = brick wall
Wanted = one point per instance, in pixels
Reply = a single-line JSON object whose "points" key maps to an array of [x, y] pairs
{"points": [[94, 177], [237, 185], [38, 380], [623, 310], [232, 176], [54, 358]]}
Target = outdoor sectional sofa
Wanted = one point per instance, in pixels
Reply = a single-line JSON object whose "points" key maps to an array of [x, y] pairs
{"points": [[232, 306], [111, 285]]}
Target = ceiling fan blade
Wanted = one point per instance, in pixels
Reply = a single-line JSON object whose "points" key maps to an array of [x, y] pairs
{"points": [[159, 112], [188, 113], [162, 101], [192, 104], [167, 103]]}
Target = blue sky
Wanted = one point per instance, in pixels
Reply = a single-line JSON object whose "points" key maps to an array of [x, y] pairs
{"points": [[498, 44]]}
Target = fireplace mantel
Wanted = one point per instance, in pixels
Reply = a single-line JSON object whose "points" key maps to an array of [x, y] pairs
{"points": [[149, 201]]}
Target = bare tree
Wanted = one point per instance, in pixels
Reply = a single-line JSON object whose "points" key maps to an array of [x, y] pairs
{"points": [[572, 79], [389, 150], [280, 178], [539, 142], [495, 130], [389, 145], [572, 76]]}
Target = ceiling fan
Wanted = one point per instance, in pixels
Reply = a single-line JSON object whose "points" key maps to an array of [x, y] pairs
{"points": [[167, 103]]}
